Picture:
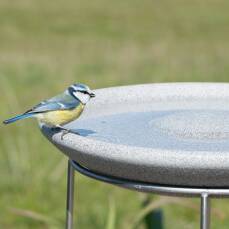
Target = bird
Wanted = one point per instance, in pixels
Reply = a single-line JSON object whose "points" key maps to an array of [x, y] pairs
{"points": [[59, 110]]}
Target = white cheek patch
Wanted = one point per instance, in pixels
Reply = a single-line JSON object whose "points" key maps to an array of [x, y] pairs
{"points": [[76, 94], [84, 98]]}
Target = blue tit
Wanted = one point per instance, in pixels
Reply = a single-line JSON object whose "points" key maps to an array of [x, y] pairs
{"points": [[61, 109]]}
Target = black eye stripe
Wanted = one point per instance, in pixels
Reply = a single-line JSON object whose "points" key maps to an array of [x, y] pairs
{"points": [[84, 92], [72, 90]]}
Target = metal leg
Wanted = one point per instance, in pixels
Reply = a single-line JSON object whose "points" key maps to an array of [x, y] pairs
{"points": [[205, 211], [70, 196]]}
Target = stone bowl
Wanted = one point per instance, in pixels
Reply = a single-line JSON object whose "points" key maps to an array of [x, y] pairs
{"points": [[173, 134]]}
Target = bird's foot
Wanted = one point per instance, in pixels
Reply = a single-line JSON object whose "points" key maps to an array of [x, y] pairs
{"points": [[65, 131]]}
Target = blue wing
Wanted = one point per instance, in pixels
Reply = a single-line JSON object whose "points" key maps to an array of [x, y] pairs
{"points": [[60, 102]]}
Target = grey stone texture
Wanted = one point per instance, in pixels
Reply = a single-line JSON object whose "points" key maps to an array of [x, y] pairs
{"points": [[169, 134]]}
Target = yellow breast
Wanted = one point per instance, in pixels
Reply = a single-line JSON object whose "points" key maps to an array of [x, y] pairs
{"points": [[61, 117]]}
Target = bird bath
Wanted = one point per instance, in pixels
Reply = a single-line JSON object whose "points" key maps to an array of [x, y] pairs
{"points": [[165, 138]]}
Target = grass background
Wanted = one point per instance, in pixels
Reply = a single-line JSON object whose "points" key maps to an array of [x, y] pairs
{"points": [[46, 46]]}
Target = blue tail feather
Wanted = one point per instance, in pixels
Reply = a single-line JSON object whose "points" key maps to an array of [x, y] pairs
{"points": [[18, 117]]}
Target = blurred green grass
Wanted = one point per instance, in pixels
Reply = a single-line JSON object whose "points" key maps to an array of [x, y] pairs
{"points": [[47, 45]]}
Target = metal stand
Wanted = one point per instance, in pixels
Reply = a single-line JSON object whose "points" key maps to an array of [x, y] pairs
{"points": [[70, 196], [205, 212], [204, 193]]}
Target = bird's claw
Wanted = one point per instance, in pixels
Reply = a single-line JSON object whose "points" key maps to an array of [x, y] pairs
{"points": [[65, 131]]}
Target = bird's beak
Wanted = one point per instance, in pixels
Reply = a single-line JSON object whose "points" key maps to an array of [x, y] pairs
{"points": [[92, 95]]}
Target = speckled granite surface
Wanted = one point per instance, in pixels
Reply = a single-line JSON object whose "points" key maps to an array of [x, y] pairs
{"points": [[173, 134]]}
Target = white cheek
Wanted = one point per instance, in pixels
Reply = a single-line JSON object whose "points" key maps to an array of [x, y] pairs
{"points": [[76, 94], [84, 98]]}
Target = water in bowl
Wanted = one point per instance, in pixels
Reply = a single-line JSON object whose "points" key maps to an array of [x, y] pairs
{"points": [[192, 126]]}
